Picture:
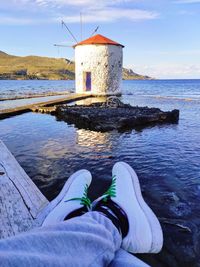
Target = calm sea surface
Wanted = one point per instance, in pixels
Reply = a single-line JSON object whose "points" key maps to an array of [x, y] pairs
{"points": [[166, 157], [50, 150], [12, 88]]}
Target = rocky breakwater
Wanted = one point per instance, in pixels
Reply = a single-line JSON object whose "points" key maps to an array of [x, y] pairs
{"points": [[114, 116]]}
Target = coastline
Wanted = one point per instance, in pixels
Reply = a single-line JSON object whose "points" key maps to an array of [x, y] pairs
{"points": [[45, 68], [5, 78]]}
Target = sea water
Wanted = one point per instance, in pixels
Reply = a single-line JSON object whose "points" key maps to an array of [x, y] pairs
{"points": [[57, 149]]}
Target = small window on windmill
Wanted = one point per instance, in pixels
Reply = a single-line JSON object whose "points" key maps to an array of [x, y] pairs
{"points": [[87, 81]]}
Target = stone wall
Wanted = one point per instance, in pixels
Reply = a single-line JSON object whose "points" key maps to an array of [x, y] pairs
{"points": [[105, 64]]}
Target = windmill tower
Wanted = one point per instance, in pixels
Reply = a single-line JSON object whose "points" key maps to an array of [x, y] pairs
{"points": [[98, 62]]}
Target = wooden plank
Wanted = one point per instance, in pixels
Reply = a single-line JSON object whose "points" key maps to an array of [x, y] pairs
{"points": [[20, 199], [5, 113]]}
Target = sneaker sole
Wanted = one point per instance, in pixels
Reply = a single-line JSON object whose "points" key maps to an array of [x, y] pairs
{"points": [[156, 241]]}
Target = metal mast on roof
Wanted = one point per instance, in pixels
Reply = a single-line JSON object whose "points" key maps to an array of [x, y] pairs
{"points": [[81, 21], [64, 24], [63, 45], [95, 31], [72, 35]]}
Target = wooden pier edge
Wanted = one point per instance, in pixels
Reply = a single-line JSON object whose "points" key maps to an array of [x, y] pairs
{"points": [[22, 205], [6, 113]]}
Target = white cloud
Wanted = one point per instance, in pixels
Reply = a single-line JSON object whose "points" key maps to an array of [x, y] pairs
{"points": [[82, 3], [112, 14], [21, 4], [68, 10], [14, 21], [191, 52], [170, 70]]}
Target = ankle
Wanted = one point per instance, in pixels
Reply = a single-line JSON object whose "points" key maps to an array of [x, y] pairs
{"points": [[112, 211], [76, 213]]}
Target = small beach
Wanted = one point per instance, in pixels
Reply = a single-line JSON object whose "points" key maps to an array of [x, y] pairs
{"points": [[165, 157]]}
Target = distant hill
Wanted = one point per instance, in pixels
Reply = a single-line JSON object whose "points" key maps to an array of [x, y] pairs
{"points": [[45, 68], [3, 54], [128, 74]]}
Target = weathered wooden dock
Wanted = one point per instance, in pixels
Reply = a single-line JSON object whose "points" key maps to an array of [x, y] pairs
{"points": [[8, 112], [22, 205]]}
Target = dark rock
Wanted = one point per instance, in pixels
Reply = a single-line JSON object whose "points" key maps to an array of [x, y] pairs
{"points": [[118, 116], [21, 72]]}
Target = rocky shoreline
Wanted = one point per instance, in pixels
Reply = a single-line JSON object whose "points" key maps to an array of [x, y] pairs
{"points": [[102, 117]]}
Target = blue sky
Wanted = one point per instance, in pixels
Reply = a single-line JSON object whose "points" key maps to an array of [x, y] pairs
{"points": [[161, 37]]}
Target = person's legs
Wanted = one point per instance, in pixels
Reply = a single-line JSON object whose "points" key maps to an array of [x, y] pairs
{"points": [[88, 240], [93, 239]]}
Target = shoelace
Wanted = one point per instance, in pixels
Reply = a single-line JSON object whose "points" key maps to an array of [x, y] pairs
{"points": [[111, 192], [84, 200]]}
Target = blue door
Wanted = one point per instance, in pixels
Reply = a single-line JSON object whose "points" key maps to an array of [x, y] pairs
{"points": [[88, 81]]}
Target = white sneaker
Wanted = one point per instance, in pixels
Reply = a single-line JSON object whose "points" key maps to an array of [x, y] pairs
{"points": [[72, 198], [124, 205], [145, 233]]}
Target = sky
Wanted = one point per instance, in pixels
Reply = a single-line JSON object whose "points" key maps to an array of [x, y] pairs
{"points": [[161, 37]]}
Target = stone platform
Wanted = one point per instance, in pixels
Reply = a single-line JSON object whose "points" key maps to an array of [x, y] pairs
{"points": [[101, 117]]}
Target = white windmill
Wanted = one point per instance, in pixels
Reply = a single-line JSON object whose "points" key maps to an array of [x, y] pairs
{"points": [[98, 64]]}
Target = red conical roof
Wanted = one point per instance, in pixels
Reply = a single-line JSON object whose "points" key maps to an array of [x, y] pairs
{"points": [[98, 39]]}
